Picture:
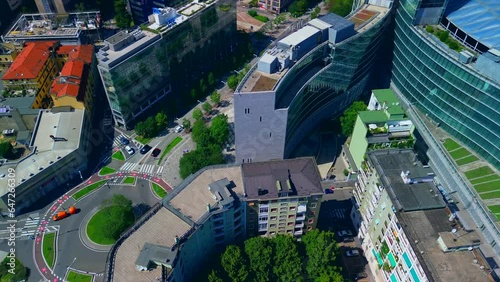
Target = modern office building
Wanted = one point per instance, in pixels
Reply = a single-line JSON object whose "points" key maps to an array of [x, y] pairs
{"points": [[57, 151], [142, 67], [384, 125], [142, 9], [305, 78], [407, 231], [54, 6], [282, 197], [460, 91]]}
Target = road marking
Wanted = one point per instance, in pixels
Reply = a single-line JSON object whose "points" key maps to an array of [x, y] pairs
{"points": [[160, 169]]}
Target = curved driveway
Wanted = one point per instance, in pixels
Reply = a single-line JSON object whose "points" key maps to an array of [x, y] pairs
{"points": [[75, 251]]}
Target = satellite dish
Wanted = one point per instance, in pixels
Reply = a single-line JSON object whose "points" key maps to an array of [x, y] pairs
{"points": [[454, 231]]}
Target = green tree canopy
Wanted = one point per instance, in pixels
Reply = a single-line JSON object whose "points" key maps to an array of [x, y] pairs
{"points": [[321, 249], [287, 254], [120, 216], [235, 263], [20, 271], [161, 120], [219, 130], [5, 150], [200, 134], [214, 277], [215, 97], [348, 119], [186, 123], [197, 114], [211, 79], [123, 18], [198, 159], [260, 254], [340, 7], [207, 107], [149, 128], [232, 82]]}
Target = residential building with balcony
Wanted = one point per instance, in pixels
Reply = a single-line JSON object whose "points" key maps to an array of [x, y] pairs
{"points": [[407, 231], [8, 54], [141, 67], [282, 197], [384, 125], [57, 151], [305, 78], [32, 72], [274, 6]]}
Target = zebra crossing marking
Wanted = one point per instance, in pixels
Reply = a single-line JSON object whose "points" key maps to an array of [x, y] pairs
{"points": [[128, 166]]}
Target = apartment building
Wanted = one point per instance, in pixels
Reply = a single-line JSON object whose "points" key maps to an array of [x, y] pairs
{"points": [[274, 6], [384, 125], [8, 54], [54, 6], [32, 72], [283, 197]]}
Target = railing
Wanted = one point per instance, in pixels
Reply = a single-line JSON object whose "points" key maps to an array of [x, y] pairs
{"points": [[245, 78]]}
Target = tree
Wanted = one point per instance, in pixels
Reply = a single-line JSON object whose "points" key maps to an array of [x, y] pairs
{"points": [[80, 7], [252, 13], [340, 7], [330, 274], [211, 79], [260, 253], [186, 123], [195, 160], [214, 277], [123, 18], [6, 150], [207, 108], [197, 114], [287, 254], [219, 130], [215, 97], [321, 250], [232, 82], [235, 264], [200, 134], [120, 216], [203, 86], [280, 19], [20, 271], [348, 119], [117, 200], [194, 94], [298, 8], [161, 120]]}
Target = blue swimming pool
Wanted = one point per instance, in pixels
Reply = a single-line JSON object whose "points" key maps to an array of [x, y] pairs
{"points": [[379, 259], [407, 259], [393, 278], [414, 275]]}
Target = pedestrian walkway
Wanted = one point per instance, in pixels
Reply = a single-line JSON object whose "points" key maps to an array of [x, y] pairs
{"points": [[128, 166], [138, 144], [338, 213]]}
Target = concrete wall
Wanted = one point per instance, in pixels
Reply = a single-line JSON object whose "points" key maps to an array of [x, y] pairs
{"points": [[260, 130]]}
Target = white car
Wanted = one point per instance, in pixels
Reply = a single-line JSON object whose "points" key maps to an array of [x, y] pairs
{"points": [[130, 150], [179, 128], [344, 233], [352, 253]]}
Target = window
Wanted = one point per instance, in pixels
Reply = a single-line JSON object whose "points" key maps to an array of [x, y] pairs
{"points": [[313, 212], [310, 221], [291, 216], [292, 208], [272, 226], [309, 228], [264, 210], [263, 218], [313, 205], [273, 218], [247, 110], [274, 210], [260, 119], [270, 134]]}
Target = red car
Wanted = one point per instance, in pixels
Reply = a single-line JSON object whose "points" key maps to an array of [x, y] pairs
{"points": [[155, 152]]}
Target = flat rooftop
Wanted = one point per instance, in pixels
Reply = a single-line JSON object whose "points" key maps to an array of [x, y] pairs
{"points": [[161, 229], [424, 227], [408, 197], [262, 179], [194, 195], [66, 125], [47, 26]]}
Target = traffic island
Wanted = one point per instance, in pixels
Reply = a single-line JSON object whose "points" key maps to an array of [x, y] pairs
{"points": [[74, 276], [48, 248]]}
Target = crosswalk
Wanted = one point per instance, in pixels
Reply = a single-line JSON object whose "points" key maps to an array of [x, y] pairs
{"points": [[338, 213], [27, 228], [118, 143], [145, 168]]}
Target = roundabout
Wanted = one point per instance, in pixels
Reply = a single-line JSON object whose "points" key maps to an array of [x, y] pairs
{"points": [[80, 246]]}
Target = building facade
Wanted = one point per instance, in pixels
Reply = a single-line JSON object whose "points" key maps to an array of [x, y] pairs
{"points": [[458, 92], [8, 54], [54, 6], [282, 99], [140, 68]]}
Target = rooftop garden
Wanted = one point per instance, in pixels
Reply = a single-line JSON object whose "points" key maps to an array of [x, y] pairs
{"points": [[445, 37]]}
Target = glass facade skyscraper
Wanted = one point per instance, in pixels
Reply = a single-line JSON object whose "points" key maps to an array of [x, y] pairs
{"points": [[463, 101]]}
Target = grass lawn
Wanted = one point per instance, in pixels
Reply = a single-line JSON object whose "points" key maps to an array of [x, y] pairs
{"points": [[143, 140], [129, 180], [78, 277], [491, 195], [494, 209], [169, 147], [160, 192], [478, 172], [459, 153], [100, 221], [488, 186], [106, 170], [485, 178], [88, 189], [118, 155], [450, 144], [498, 216], [262, 18], [48, 249], [467, 160]]}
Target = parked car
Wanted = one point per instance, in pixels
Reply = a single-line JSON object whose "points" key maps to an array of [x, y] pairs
{"points": [[130, 150], [328, 191], [124, 140], [155, 152], [352, 253], [348, 239], [344, 233], [145, 149], [360, 275], [179, 128]]}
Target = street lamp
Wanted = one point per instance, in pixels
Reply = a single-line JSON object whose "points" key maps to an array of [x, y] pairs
{"points": [[80, 175], [198, 101]]}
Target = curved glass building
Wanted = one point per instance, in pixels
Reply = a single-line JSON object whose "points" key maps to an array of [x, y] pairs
{"points": [[309, 76], [458, 90]]}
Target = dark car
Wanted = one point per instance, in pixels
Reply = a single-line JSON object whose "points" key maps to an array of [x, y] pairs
{"points": [[145, 149], [348, 239], [124, 140], [155, 152], [328, 191]]}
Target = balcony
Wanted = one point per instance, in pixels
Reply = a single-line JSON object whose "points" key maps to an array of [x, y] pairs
{"points": [[300, 217], [301, 208], [299, 225], [298, 233]]}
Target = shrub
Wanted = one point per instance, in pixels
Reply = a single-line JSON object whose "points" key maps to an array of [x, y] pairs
{"points": [[252, 13], [346, 172], [262, 18], [429, 29], [225, 7]]}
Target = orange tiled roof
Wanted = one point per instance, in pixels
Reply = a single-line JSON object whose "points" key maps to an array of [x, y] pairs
{"points": [[77, 52], [65, 87], [30, 61], [73, 68], [73, 74]]}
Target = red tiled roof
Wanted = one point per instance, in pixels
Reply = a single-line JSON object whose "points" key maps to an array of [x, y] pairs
{"points": [[69, 83], [30, 61], [77, 52], [65, 87], [73, 68]]}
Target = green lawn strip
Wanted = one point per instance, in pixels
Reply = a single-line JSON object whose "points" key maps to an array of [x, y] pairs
{"points": [[48, 249], [450, 144], [169, 147], [491, 195], [494, 209], [78, 277], [159, 191], [466, 160], [488, 186], [99, 221], [106, 170], [498, 216], [478, 172], [485, 179], [460, 153], [118, 155], [129, 180], [262, 18], [143, 140], [88, 189]]}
